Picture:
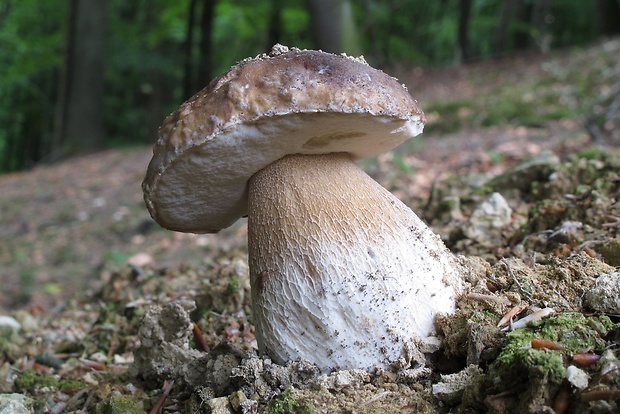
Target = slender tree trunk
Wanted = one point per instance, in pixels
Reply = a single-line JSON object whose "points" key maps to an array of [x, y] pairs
{"points": [[463, 53], [325, 24], [508, 12], [188, 84], [274, 31], [523, 17], [81, 123], [608, 17], [333, 27], [541, 9], [205, 62]]}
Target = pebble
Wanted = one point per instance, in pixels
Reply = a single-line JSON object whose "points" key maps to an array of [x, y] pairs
{"points": [[577, 377], [15, 404], [488, 219], [604, 296], [219, 405], [10, 323], [451, 387]]}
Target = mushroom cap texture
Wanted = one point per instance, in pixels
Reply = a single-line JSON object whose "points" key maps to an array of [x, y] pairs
{"points": [[290, 101]]}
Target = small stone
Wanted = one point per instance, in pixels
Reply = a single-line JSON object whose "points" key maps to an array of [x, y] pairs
{"points": [[451, 387], [140, 259], [99, 357], [9, 323], [346, 379], [219, 405], [15, 404], [164, 335], [488, 220], [611, 252], [604, 296], [521, 176], [249, 407], [236, 399], [577, 377], [28, 322]]}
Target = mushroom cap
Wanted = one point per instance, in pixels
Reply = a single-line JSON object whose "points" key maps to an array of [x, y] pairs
{"points": [[290, 101]]}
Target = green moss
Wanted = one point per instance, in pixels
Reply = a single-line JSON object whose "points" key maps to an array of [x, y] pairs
{"points": [[573, 332], [287, 403], [70, 384], [233, 285], [611, 252], [29, 380], [592, 153], [484, 317], [119, 405]]}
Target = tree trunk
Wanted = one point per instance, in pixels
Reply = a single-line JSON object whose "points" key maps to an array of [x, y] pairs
{"points": [[542, 35], [205, 64], [463, 53], [274, 30], [608, 17], [81, 123], [333, 27], [188, 84], [509, 11]]}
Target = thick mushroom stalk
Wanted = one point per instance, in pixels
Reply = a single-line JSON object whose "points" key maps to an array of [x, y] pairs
{"points": [[343, 273]]}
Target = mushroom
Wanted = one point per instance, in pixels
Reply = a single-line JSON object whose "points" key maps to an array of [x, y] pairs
{"points": [[342, 273]]}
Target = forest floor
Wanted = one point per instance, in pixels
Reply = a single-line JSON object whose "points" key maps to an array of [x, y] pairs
{"points": [[533, 139]]}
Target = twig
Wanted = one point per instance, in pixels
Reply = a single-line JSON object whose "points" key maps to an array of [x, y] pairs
{"points": [[162, 398], [514, 278], [511, 314], [375, 398], [489, 298], [200, 339], [614, 223]]}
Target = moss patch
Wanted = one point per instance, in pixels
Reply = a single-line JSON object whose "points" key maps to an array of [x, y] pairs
{"points": [[532, 370], [288, 402]]}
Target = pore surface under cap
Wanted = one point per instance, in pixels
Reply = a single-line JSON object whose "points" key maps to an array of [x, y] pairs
{"points": [[288, 102]]}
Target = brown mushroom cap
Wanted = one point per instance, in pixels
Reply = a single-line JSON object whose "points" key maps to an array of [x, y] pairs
{"points": [[288, 102]]}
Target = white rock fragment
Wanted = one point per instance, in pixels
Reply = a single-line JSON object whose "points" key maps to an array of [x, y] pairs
{"points": [[15, 404], [219, 405], [604, 297], [349, 379], [577, 377], [164, 341], [488, 219], [450, 388], [9, 323], [609, 363]]}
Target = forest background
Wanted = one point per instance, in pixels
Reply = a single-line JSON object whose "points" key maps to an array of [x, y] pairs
{"points": [[77, 76]]}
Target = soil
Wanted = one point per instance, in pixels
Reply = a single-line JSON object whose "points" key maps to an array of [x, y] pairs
{"points": [[116, 314]]}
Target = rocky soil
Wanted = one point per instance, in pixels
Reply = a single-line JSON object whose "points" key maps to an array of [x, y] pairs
{"points": [[102, 312]]}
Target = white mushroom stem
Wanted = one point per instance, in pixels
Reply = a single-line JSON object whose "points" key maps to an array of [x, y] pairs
{"points": [[343, 273]]}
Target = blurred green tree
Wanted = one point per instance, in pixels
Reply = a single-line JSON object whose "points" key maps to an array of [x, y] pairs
{"points": [[54, 102], [80, 126]]}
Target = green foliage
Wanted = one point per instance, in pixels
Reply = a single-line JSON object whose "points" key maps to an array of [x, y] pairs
{"points": [[147, 45], [30, 57]]}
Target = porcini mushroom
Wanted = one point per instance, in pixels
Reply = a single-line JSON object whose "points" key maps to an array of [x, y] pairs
{"points": [[342, 273]]}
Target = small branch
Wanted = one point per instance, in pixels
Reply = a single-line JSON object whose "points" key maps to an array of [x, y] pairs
{"points": [[162, 398], [514, 278], [200, 339], [488, 298]]}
